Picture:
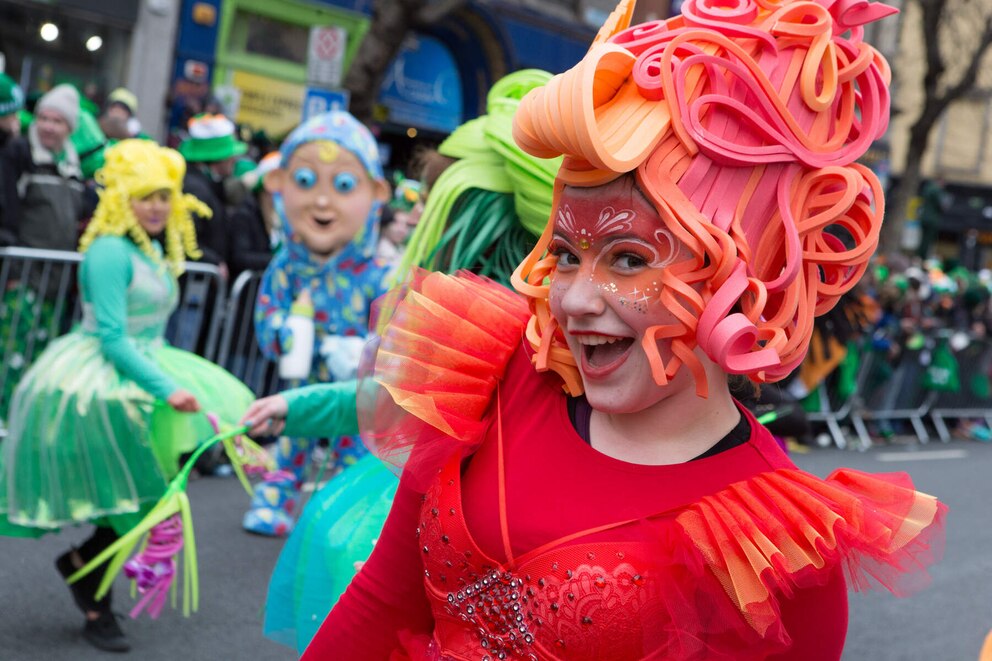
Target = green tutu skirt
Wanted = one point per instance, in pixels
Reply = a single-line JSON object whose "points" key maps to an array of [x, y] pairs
{"points": [[87, 444], [336, 531]]}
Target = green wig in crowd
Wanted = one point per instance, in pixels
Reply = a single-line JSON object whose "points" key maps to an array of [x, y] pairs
{"points": [[485, 211]]}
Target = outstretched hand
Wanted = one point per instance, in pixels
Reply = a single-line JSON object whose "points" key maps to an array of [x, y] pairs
{"points": [[183, 401], [266, 416]]}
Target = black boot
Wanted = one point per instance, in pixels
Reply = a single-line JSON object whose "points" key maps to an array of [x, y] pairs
{"points": [[83, 589], [105, 633]]}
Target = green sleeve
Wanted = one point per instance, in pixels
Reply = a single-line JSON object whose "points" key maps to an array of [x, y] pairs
{"points": [[322, 409], [106, 274]]}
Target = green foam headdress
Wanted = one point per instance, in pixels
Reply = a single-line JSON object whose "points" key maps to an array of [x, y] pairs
{"points": [[485, 211]]}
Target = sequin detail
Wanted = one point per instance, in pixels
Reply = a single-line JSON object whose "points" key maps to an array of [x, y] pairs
{"points": [[493, 606]]}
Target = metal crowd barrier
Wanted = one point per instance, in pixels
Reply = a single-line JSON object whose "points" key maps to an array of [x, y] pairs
{"points": [[41, 301], [239, 353], [900, 397], [834, 410], [974, 398]]}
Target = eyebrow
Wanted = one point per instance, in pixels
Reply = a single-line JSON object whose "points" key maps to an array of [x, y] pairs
{"points": [[612, 237]]}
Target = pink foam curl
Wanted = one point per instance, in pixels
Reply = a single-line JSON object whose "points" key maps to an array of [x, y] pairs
{"points": [[639, 38], [730, 339], [732, 22], [153, 569], [854, 14]]}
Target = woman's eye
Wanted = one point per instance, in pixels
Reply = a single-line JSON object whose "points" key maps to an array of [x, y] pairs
{"points": [[629, 260], [565, 256], [305, 178], [345, 182]]}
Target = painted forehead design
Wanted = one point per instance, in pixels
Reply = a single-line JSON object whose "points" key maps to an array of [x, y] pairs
{"points": [[610, 221]]}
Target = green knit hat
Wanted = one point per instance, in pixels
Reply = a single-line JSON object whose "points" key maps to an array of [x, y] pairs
{"points": [[11, 95], [211, 138]]}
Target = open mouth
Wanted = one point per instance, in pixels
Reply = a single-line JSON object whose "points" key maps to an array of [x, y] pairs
{"points": [[323, 222], [602, 354]]}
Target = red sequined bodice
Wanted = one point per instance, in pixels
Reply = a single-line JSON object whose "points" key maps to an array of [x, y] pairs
{"points": [[576, 601]]}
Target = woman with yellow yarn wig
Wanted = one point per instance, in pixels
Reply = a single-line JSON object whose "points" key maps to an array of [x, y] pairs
{"points": [[99, 421], [578, 482]]}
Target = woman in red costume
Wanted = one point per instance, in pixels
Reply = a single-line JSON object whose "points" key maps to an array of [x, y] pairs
{"points": [[578, 481]]}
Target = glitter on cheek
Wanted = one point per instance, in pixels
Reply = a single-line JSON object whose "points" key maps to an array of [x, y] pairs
{"points": [[629, 300]]}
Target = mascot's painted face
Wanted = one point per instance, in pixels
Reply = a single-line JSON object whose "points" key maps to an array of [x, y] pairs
{"points": [[327, 196]]}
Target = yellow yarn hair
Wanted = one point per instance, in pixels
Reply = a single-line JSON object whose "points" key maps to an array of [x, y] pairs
{"points": [[133, 170]]}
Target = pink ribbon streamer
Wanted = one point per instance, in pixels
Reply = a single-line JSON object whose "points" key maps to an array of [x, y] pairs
{"points": [[154, 568]]}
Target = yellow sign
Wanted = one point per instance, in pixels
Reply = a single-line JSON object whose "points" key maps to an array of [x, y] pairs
{"points": [[267, 103]]}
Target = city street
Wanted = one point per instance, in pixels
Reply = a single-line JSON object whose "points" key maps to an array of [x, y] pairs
{"points": [[946, 622]]}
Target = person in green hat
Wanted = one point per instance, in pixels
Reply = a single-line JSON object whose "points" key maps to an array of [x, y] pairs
{"points": [[11, 104], [42, 180], [118, 120], [43, 202], [398, 220], [211, 150]]}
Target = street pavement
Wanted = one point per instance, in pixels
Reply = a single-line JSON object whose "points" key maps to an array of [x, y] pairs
{"points": [[948, 620], [945, 622]]}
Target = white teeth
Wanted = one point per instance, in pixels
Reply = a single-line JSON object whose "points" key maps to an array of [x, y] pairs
{"points": [[594, 340]]}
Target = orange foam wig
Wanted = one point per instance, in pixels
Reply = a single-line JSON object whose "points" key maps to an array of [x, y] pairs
{"points": [[742, 121]]}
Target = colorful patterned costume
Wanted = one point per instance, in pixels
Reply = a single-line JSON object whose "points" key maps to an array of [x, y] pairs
{"points": [[484, 213], [342, 289]]}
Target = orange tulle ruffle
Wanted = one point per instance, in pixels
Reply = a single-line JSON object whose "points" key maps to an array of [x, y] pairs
{"points": [[777, 532], [433, 376]]}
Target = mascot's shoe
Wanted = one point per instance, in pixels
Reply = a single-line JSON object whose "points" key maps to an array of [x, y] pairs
{"points": [[272, 506]]}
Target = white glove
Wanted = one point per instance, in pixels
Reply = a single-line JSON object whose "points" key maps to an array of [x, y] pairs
{"points": [[342, 354]]}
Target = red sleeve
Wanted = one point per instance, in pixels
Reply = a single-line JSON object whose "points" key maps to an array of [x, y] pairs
{"points": [[386, 599], [816, 619]]}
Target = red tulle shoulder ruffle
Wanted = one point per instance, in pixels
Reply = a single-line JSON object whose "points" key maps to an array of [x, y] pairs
{"points": [[441, 352], [777, 532]]}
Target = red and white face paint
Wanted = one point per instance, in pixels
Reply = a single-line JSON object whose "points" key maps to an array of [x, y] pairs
{"points": [[611, 246]]}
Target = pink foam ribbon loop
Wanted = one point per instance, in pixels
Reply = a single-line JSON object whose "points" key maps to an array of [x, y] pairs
{"points": [[153, 569], [850, 14], [730, 339]]}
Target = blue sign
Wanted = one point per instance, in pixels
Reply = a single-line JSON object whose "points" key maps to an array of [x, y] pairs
{"points": [[422, 87], [318, 100]]}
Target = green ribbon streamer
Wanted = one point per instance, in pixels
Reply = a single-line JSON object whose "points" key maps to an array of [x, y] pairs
{"points": [[174, 501]]}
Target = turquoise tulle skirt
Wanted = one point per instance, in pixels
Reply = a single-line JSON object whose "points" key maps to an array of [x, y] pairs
{"points": [[336, 532], [87, 444]]}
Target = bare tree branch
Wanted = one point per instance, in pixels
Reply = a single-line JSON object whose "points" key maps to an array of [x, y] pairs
{"points": [[392, 20], [437, 10], [943, 28]]}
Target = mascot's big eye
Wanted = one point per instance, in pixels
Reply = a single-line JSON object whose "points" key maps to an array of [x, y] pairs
{"points": [[345, 182], [305, 177]]}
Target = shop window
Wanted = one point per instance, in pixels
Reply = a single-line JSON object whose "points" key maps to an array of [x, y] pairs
{"points": [[269, 37], [958, 150]]}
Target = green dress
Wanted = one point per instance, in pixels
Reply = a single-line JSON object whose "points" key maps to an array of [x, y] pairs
{"points": [[90, 435]]}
